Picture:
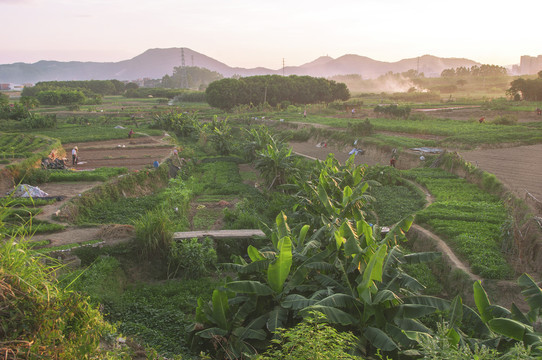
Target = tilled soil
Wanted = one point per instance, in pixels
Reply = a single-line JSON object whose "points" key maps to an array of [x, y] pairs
{"points": [[519, 168], [134, 154]]}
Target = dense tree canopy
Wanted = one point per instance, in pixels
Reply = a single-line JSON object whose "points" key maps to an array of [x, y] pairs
{"points": [[73, 92], [274, 89], [482, 70], [196, 78], [101, 87], [526, 89]]}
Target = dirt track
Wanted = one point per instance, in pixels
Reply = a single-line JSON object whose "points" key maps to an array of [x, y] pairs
{"points": [[137, 153]]}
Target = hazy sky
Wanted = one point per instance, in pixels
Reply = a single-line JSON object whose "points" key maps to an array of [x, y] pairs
{"points": [[250, 33]]}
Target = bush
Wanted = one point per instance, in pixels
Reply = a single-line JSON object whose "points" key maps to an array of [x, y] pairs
{"points": [[505, 120], [14, 112], [393, 110], [312, 339], [364, 128], [37, 121], [192, 257]]}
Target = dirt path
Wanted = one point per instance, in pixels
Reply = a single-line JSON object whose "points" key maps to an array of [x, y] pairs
{"points": [[64, 190], [447, 252], [133, 154]]}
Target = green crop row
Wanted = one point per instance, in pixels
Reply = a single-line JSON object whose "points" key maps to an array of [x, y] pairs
{"points": [[20, 145], [118, 211], [489, 212], [219, 176], [29, 227], [394, 202], [468, 218], [99, 174], [71, 133], [445, 186]]}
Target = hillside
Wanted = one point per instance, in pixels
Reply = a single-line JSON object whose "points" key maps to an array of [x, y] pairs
{"points": [[155, 63]]}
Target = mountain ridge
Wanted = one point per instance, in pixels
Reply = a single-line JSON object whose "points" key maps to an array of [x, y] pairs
{"points": [[157, 62]]}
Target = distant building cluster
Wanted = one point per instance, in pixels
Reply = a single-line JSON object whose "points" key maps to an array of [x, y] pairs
{"points": [[13, 87], [530, 65]]}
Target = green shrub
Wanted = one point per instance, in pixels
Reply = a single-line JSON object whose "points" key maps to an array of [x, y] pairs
{"points": [[311, 339], [37, 121], [192, 258], [505, 120], [364, 128], [441, 347], [393, 110]]}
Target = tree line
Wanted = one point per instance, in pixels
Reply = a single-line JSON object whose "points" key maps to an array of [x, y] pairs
{"points": [[273, 90], [482, 70], [74, 92]]}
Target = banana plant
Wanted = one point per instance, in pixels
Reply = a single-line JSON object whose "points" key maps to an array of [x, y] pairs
{"points": [[493, 325], [331, 193], [513, 324], [365, 292], [252, 306], [275, 163]]}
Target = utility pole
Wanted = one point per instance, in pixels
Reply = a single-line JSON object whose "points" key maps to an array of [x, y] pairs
{"points": [[282, 66], [184, 77]]}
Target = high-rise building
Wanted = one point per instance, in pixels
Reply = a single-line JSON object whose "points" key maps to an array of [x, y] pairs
{"points": [[530, 65]]}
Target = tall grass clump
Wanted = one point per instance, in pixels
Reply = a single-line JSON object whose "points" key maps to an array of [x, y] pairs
{"points": [[153, 234], [39, 319]]}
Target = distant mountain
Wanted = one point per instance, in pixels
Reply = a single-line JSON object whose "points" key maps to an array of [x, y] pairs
{"points": [[155, 63]]}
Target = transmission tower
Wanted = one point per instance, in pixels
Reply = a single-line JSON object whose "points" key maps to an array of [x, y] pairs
{"points": [[184, 76]]}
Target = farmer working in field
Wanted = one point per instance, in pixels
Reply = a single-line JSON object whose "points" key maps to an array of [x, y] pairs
{"points": [[75, 155]]}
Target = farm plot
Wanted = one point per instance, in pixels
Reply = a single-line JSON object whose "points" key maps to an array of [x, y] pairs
{"points": [[21, 145], [133, 154], [519, 168], [470, 220]]}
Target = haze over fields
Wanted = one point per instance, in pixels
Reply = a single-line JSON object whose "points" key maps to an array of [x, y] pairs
{"points": [[249, 34]]}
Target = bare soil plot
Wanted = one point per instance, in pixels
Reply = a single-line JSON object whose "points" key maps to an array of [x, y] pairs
{"points": [[519, 168], [134, 154]]}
